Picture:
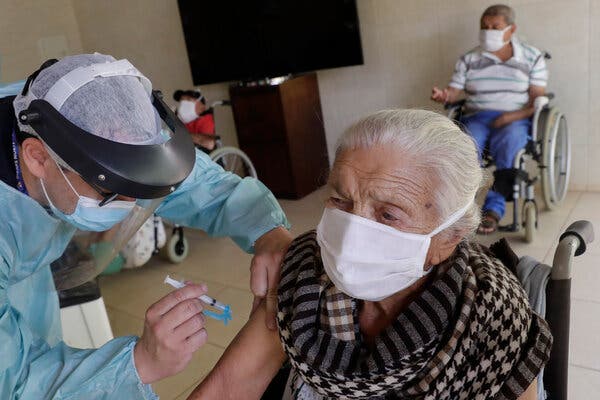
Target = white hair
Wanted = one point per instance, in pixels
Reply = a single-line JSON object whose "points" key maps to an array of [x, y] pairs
{"points": [[438, 145]]}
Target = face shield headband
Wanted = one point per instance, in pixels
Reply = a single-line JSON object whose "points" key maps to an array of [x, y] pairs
{"points": [[140, 171]]}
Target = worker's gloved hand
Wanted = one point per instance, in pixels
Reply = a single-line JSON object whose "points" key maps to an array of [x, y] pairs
{"points": [[265, 268], [173, 331]]}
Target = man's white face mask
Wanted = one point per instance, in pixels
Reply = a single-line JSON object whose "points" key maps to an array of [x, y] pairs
{"points": [[371, 261], [492, 39]]}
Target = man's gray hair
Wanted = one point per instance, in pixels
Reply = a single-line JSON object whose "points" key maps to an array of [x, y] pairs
{"points": [[438, 146], [500, 9]]}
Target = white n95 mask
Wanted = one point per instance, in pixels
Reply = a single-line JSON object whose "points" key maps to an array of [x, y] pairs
{"points": [[492, 39], [371, 261], [187, 111]]}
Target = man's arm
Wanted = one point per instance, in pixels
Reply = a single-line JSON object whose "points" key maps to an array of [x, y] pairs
{"points": [[455, 89], [447, 95], [247, 366], [538, 79], [30, 369], [525, 112]]}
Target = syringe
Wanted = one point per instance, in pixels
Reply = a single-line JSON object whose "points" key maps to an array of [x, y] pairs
{"points": [[225, 317]]}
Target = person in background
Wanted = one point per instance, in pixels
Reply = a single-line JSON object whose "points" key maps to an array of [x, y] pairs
{"points": [[500, 79], [191, 111]]}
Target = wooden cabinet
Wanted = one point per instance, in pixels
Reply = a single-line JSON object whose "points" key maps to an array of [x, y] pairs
{"points": [[280, 127]]}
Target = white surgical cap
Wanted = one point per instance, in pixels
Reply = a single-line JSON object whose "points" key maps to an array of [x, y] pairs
{"points": [[117, 108]]}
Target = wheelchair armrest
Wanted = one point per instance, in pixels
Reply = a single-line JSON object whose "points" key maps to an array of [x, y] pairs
{"points": [[220, 103], [582, 230], [539, 104], [541, 101], [456, 104]]}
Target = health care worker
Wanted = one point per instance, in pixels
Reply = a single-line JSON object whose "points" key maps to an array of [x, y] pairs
{"points": [[88, 145]]}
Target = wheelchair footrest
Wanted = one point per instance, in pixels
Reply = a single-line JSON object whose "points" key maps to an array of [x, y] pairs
{"points": [[509, 228]]}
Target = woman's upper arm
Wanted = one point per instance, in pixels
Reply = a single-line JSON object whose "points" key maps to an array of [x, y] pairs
{"points": [[530, 393], [248, 364]]}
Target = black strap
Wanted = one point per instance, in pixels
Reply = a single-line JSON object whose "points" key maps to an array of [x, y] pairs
{"points": [[35, 74]]}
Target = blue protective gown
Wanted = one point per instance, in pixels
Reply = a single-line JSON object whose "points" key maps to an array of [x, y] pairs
{"points": [[34, 362]]}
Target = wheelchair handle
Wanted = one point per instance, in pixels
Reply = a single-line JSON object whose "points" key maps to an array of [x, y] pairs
{"points": [[572, 243], [584, 231]]}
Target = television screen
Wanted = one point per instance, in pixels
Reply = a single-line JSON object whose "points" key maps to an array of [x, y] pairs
{"points": [[237, 40]]}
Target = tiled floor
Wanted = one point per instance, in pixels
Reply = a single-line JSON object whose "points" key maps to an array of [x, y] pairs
{"points": [[224, 267]]}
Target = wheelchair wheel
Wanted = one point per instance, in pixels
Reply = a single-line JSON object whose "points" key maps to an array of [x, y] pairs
{"points": [[530, 221], [556, 157], [176, 249], [234, 160]]}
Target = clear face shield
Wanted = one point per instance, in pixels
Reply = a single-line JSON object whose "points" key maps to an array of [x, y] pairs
{"points": [[91, 253], [117, 171]]}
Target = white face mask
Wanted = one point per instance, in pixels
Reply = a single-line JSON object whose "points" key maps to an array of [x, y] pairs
{"points": [[88, 215], [492, 39], [371, 261], [187, 111]]}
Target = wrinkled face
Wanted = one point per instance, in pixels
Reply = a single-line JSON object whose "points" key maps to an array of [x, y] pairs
{"points": [[384, 186], [496, 22]]}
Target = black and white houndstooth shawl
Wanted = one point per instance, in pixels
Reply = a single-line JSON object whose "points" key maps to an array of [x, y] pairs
{"points": [[469, 335]]}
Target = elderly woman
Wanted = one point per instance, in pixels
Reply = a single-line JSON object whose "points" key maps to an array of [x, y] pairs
{"points": [[388, 298]]}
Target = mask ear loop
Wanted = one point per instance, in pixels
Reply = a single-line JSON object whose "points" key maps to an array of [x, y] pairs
{"points": [[455, 216], [106, 197], [46, 193], [66, 179]]}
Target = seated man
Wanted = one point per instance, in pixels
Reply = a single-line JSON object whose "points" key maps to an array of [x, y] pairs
{"points": [[389, 298], [501, 79], [191, 110]]}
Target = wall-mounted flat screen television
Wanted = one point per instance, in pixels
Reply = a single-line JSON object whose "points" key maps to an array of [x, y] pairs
{"points": [[245, 40]]}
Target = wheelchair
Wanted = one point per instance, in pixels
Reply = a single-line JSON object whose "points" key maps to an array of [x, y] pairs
{"points": [[231, 159], [549, 147], [557, 291]]}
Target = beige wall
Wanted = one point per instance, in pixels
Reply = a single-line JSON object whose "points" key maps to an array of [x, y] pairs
{"points": [[33, 31], [409, 45], [149, 34]]}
